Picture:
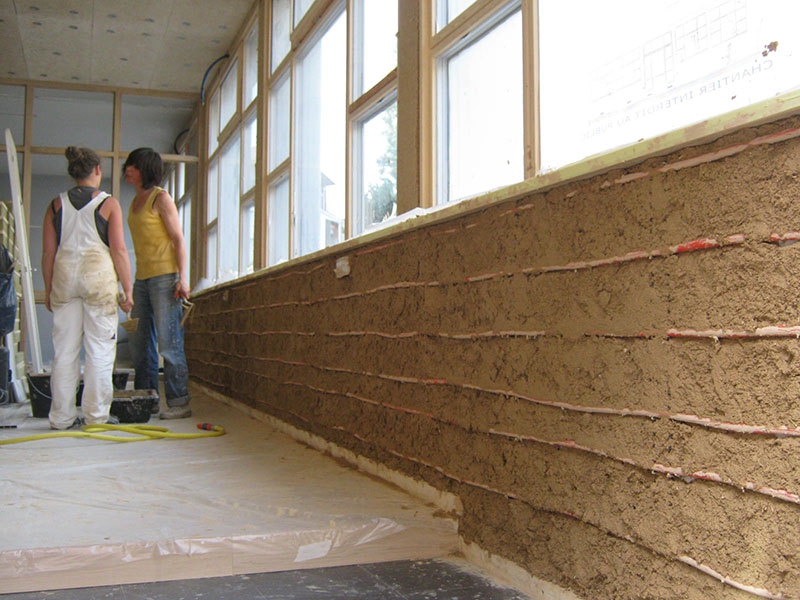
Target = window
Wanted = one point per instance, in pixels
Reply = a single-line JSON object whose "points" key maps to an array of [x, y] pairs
{"points": [[375, 42], [480, 116], [213, 192], [250, 130], [448, 10], [278, 222], [279, 122], [185, 215], [278, 200], [211, 220], [250, 84], [319, 197], [281, 30], [213, 123], [377, 169], [248, 229], [228, 218], [503, 99], [180, 180], [654, 69], [374, 115], [212, 251], [229, 95], [230, 222]]}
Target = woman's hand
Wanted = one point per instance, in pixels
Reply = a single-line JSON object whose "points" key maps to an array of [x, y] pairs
{"points": [[181, 290], [126, 303]]}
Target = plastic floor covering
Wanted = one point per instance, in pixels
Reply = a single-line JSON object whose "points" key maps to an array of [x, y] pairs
{"points": [[81, 513]]}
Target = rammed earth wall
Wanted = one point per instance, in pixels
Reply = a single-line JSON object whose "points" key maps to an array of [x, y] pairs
{"points": [[606, 373]]}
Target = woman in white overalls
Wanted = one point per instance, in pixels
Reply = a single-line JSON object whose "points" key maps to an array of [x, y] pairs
{"points": [[84, 256]]}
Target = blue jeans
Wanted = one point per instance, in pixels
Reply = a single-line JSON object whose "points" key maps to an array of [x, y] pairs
{"points": [[159, 314]]}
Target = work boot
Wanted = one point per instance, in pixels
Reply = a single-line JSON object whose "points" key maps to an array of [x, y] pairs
{"points": [[176, 412], [77, 423]]}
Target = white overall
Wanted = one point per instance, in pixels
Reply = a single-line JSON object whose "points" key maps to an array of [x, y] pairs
{"points": [[84, 302]]}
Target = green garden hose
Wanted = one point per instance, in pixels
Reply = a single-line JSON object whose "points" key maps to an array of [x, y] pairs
{"points": [[137, 433]]}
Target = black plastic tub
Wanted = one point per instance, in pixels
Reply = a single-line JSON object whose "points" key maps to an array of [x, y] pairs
{"points": [[134, 406], [42, 396]]}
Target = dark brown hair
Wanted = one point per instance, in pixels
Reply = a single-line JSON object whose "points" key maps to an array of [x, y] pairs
{"points": [[82, 161], [150, 166]]}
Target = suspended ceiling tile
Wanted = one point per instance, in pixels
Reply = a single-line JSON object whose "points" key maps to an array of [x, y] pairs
{"points": [[54, 8], [12, 58], [54, 50], [122, 58], [152, 44], [212, 17]]}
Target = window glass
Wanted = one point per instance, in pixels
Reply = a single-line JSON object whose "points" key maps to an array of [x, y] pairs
{"points": [[154, 122], [228, 219], [180, 180], [213, 190], [248, 237], [185, 214], [281, 30], [448, 10], [64, 118], [229, 95], [378, 170], [278, 222], [279, 121], [213, 123], [12, 113], [376, 43], [211, 254], [250, 68], [482, 142], [301, 8], [170, 184], [661, 67], [249, 153], [320, 142]]}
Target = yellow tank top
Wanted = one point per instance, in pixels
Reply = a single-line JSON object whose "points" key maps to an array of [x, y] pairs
{"points": [[155, 254]]}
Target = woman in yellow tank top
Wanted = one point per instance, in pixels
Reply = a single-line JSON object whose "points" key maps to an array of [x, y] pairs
{"points": [[160, 283]]}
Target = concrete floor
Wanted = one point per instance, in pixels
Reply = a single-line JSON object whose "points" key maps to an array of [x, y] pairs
{"points": [[86, 513], [440, 579]]}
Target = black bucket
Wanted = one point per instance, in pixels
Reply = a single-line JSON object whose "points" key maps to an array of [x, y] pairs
{"points": [[134, 406], [42, 396]]}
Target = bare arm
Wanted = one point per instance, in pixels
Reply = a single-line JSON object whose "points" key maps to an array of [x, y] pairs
{"points": [[168, 212], [119, 252], [49, 248]]}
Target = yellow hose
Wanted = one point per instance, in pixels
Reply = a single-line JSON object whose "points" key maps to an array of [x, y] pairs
{"points": [[138, 433]]}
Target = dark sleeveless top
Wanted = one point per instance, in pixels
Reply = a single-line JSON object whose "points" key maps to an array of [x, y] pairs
{"points": [[80, 196]]}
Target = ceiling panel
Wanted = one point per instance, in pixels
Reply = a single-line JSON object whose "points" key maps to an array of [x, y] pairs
{"points": [[163, 45], [12, 61]]}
